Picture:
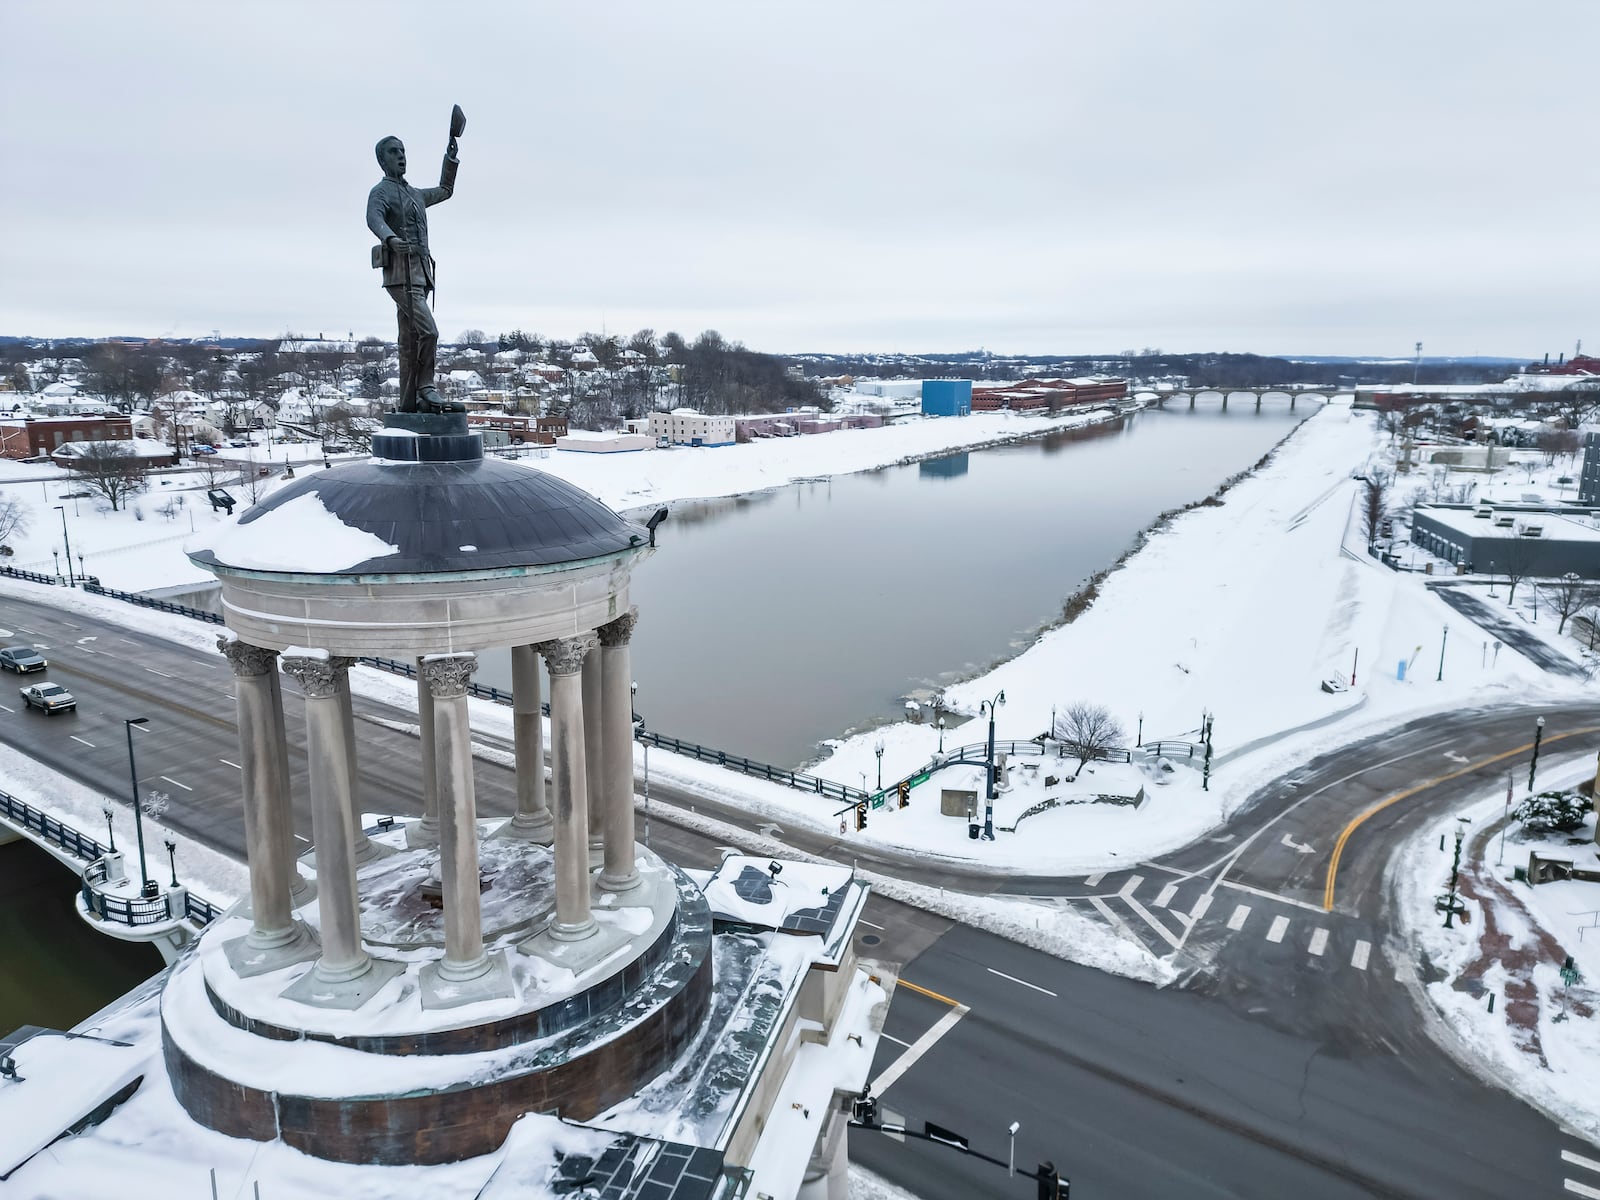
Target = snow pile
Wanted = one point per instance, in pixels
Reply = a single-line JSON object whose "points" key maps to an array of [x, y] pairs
{"points": [[300, 535]]}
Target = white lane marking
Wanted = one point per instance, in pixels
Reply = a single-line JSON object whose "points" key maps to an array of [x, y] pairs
{"points": [[90, 638], [7, 709], [889, 1037], [1297, 847], [70, 625], [163, 674], [234, 765], [1131, 886], [127, 641], [922, 1045], [1358, 960], [1578, 1160], [862, 920], [145, 728], [1145, 915], [1280, 926], [1201, 906], [1164, 897], [1581, 1189], [76, 738], [86, 650], [30, 632], [1110, 914], [1093, 880], [1319, 941], [175, 783], [1245, 887], [300, 838], [1023, 982], [1236, 922]]}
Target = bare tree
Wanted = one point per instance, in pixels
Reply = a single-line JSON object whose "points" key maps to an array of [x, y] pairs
{"points": [[1590, 616], [1087, 730], [14, 519], [1374, 506], [113, 470], [1515, 556], [1567, 595]]}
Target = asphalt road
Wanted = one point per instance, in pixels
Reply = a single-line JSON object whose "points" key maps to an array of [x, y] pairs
{"points": [[1289, 1060]]}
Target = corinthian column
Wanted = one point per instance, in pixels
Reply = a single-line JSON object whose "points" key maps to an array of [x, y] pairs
{"points": [[616, 691], [426, 831], [275, 939], [363, 846], [337, 980], [465, 961], [569, 775], [594, 734], [533, 822]]}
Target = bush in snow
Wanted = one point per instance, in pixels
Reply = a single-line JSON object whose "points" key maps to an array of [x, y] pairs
{"points": [[1553, 810]]}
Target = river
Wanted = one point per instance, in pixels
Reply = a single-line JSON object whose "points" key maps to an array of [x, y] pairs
{"points": [[773, 621]]}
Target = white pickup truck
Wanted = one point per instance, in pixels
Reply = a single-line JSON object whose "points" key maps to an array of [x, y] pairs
{"points": [[51, 697]]}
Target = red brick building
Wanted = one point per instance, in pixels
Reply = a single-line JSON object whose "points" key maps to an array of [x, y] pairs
{"points": [[34, 437]]}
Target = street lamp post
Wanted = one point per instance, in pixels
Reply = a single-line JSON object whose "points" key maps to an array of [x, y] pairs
{"points": [[1445, 637], [111, 834], [172, 859], [1139, 741], [1533, 763], [877, 748], [148, 887], [62, 509], [941, 735], [1011, 1160], [989, 706]]}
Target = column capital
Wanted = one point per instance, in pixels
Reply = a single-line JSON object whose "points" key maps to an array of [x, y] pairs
{"points": [[565, 656], [620, 631], [244, 658], [447, 675], [317, 676]]}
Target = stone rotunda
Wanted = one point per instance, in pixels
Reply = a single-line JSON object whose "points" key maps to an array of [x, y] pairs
{"points": [[478, 972]]}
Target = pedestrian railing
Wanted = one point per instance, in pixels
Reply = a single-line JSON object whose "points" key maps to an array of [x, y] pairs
{"points": [[749, 766], [121, 909], [19, 573], [94, 587]]}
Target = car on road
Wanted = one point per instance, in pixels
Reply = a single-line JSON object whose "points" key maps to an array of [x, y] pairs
{"points": [[51, 698], [202, 449], [22, 659]]}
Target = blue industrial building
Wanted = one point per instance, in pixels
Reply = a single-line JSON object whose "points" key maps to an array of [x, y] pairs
{"points": [[946, 397]]}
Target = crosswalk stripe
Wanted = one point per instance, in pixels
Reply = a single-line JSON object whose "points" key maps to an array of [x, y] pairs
{"points": [[1581, 1189], [1200, 906], [1164, 897], [1093, 880], [1358, 960], [1319, 942], [1280, 926], [1132, 886], [1236, 922], [1579, 1160]]}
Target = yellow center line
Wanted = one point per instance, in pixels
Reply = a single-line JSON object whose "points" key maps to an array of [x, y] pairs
{"points": [[922, 991], [1338, 849]]}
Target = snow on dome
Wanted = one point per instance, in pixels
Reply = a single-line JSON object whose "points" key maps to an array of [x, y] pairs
{"points": [[300, 536]]}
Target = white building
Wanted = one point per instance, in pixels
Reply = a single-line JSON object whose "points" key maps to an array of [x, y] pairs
{"points": [[687, 427]]}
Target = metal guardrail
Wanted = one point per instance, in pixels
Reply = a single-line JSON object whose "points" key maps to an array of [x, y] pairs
{"points": [[122, 909], [94, 587], [19, 573], [760, 770], [49, 828]]}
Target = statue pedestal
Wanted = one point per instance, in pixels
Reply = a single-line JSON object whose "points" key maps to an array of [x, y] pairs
{"points": [[426, 437]]}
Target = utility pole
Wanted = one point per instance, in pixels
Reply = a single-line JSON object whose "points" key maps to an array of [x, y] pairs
{"points": [[1416, 369]]}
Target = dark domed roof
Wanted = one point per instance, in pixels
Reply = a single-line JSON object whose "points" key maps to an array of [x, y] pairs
{"points": [[422, 518]]}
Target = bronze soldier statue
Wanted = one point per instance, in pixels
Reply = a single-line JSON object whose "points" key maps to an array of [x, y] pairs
{"points": [[397, 214]]}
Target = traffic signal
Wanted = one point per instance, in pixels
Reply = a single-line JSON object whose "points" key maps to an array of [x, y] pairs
{"points": [[905, 793], [861, 815]]}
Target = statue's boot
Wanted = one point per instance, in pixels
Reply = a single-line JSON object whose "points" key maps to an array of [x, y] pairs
{"points": [[429, 400]]}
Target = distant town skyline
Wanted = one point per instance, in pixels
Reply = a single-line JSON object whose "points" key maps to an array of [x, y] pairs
{"points": [[923, 178]]}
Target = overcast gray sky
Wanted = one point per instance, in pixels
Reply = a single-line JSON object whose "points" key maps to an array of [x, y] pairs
{"points": [[1312, 176]]}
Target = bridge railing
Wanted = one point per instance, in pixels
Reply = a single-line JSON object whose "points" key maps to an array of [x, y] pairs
{"points": [[124, 910], [47, 827], [19, 573], [94, 587], [749, 766]]}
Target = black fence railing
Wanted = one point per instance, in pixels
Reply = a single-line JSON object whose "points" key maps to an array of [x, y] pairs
{"points": [[19, 573], [760, 770], [47, 827], [199, 614], [121, 909]]}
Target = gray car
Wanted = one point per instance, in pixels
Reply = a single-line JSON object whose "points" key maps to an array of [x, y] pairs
{"points": [[22, 659], [50, 698]]}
